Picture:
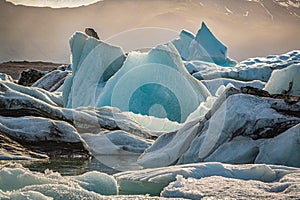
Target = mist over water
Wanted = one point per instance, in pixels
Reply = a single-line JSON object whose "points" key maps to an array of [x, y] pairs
{"points": [[247, 28], [54, 3]]}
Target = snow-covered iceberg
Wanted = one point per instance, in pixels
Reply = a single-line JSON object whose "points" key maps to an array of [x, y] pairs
{"points": [[204, 46]]}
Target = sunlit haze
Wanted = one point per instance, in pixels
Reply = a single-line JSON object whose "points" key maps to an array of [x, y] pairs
{"points": [[53, 3], [247, 28]]}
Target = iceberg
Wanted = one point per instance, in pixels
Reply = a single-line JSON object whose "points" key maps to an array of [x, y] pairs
{"points": [[285, 81], [214, 84], [153, 181], [204, 46], [5, 77], [183, 43], [160, 89], [244, 149], [249, 70], [155, 124], [218, 187], [10, 88], [216, 135], [89, 185], [115, 143], [19, 101], [282, 149], [52, 81], [93, 63], [98, 182], [17, 182], [35, 132]]}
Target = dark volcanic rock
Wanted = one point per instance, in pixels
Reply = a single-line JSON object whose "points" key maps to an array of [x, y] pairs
{"points": [[91, 32], [29, 76]]}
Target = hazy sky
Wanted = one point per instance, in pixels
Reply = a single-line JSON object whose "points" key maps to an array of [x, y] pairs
{"points": [[247, 28], [54, 3]]}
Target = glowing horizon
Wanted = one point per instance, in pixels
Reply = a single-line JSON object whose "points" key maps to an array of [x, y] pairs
{"points": [[54, 3]]}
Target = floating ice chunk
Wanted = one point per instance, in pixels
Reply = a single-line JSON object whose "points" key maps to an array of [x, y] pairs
{"points": [[204, 46], [217, 187], [207, 47], [240, 150], [154, 123], [115, 143], [168, 150], [285, 81], [202, 109], [239, 115], [214, 84], [52, 81], [160, 89], [182, 44], [17, 182], [283, 149], [35, 129], [85, 119], [233, 113], [34, 132], [98, 182], [5, 77], [13, 178], [31, 92], [153, 181], [17, 177], [93, 63], [248, 70]]}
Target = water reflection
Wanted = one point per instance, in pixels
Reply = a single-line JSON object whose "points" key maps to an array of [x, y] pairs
{"points": [[69, 167], [120, 162]]}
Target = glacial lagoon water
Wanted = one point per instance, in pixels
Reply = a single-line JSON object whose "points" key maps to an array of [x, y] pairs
{"points": [[109, 164]]}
